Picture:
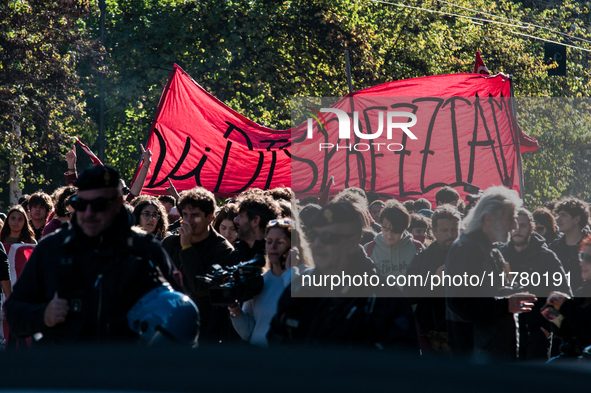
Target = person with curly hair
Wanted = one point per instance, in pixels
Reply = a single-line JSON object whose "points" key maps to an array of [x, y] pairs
{"points": [[150, 215]]}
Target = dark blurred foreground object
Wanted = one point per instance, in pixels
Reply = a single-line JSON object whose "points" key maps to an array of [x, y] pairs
{"points": [[164, 316], [177, 369]]}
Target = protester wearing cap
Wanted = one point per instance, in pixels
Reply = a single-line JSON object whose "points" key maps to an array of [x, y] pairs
{"points": [[80, 282], [346, 314]]}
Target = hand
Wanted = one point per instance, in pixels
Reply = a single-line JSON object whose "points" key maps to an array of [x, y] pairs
{"points": [[521, 302], [71, 157], [172, 191], [548, 314], [234, 309], [185, 232], [146, 156], [439, 271], [56, 311], [556, 299]]}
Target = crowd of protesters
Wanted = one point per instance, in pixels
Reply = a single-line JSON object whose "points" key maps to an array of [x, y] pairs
{"points": [[99, 251]]}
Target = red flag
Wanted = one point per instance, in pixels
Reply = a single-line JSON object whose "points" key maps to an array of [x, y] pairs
{"points": [[479, 67], [90, 154], [466, 135]]}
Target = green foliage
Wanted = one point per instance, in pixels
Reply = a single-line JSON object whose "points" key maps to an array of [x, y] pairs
{"points": [[40, 46], [257, 55]]}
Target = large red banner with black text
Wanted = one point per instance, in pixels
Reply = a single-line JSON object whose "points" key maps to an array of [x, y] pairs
{"points": [[466, 134]]}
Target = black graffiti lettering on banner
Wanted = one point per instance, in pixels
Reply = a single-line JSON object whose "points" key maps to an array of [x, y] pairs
{"points": [[488, 142], [498, 105], [503, 103], [184, 154], [405, 152]]}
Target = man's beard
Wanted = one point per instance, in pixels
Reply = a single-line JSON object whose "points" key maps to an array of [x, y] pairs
{"points": [[244, 232], [522, 243]]}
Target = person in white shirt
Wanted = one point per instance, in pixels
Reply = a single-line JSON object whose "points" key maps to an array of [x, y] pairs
{"points": [[252, 321]]}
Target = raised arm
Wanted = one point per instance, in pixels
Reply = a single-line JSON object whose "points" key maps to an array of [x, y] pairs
{"points": [[136, 188]]}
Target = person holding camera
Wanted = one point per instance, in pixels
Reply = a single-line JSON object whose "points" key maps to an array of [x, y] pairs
{"points": [[572, 317], [252, 321]]}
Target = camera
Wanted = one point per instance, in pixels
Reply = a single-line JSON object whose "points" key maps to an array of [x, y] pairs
{"points": [[235, 283]]}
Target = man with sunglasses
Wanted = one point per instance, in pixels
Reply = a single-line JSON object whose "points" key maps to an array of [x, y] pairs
{"points": [[527, 252], [347, 314], [80, 282]]}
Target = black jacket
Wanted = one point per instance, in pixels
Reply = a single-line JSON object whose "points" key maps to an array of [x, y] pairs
{"points": [[430, 311], [494, 328], [198, 259], [569, 256], [360, 321], [102, 278], [536, 258], [243, 252], [576, 326]]}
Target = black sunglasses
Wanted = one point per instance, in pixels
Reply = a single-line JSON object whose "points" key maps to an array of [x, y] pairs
{"points": [[328, 237], [97, 205]]}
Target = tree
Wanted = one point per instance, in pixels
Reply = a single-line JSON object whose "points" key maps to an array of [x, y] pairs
{"points": [[41, 44]]}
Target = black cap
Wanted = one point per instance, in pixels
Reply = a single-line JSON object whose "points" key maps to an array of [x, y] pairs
{"points": [[96, 177], [336, 213]]}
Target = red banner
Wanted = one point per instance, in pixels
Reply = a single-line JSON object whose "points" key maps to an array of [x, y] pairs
{"points": [[466, 134], [196, 140]]}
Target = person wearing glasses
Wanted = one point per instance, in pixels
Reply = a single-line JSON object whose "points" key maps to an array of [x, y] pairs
{"points": [[80, 283], [393, 249], [63, 209], [252, 321], [151, 216], [571, 317]]}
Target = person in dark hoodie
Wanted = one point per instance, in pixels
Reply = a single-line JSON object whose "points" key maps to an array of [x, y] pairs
{"points": [[393, 249], [528, 254], [347, 315]]}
